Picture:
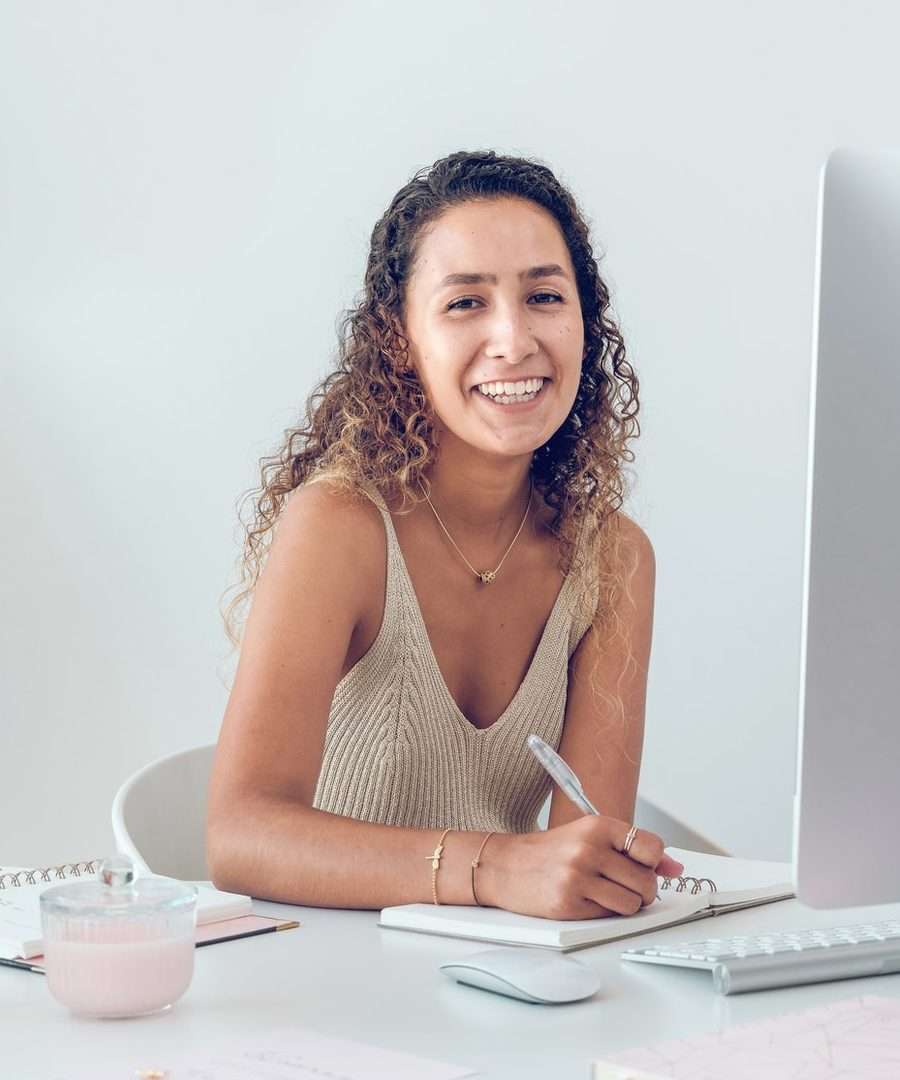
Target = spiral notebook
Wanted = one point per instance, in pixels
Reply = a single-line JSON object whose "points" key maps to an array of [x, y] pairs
{"points": [[221, 916], [680, 900]]}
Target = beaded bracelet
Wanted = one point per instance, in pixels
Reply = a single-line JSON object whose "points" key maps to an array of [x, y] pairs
{"points": [[435, 859], [476, 862]]}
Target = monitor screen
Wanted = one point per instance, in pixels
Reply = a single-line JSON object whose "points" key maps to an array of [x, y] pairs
{"points": [[847, 811]]}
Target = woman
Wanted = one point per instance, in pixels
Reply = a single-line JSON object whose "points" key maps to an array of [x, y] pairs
{"points": [[450, 573]]}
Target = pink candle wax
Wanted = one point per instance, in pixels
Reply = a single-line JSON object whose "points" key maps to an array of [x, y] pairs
{"points": [[119, 978]]}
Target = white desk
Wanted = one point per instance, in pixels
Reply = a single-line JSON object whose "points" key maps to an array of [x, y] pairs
{"points": [[343, 976]]}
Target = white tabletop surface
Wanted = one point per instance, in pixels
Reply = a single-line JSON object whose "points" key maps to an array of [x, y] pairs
{"points": [[345, 977]]}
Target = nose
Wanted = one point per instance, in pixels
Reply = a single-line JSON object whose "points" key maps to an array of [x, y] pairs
{"points": [[510, 335]]}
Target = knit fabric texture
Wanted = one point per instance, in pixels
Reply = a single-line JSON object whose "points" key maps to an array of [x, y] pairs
{"points": [[399, 751]]}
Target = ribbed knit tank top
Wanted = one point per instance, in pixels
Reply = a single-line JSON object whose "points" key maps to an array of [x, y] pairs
{"points": [[399, 751]]}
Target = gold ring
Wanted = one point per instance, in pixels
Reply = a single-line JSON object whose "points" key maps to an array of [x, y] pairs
{"points": [[629, 840]]}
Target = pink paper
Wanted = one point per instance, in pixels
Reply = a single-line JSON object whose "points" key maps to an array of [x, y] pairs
{"points": [[856, 1039]]}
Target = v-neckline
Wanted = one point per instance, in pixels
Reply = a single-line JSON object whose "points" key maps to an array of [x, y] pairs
{"points": [[457, 712]]}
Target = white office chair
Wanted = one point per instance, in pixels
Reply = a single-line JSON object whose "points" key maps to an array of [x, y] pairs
{"points": [[159, 815], [647, 815]]}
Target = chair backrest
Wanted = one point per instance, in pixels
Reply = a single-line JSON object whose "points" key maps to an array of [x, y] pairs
{"points": [[647, 815], [675, 833], [159, 815]]}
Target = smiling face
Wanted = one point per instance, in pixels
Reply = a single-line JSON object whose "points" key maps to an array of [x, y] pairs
{"points": [[492, 298]]}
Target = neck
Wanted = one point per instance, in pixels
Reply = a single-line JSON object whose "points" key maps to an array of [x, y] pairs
{"points": [[480, 503]]}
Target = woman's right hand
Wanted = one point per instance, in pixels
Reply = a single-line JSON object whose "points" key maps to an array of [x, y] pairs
{"points": [[574, 871]]}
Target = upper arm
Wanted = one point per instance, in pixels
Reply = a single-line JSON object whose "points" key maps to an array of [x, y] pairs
{"points": [[309, 598], [602, 744]]}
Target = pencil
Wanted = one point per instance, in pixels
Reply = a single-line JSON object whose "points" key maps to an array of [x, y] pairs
{"points": [[39, 968], [23, 964], [248, 933]]}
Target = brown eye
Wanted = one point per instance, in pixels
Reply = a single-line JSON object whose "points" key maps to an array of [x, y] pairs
{"points": [[464, 300], [471, 300]]}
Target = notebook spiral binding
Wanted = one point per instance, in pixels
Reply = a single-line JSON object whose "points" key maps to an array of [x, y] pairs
{"points": [[48, 873], [696, 887]]}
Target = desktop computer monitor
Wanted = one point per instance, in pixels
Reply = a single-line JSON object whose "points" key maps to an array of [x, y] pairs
{"points": [[847, 804]]}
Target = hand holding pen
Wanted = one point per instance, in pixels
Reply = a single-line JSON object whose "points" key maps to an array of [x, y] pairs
{"points": [[570, 786], [574, 871]]}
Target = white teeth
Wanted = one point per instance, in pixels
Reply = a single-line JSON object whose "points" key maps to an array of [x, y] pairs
{"points": [[510, 399], [526, 386]]}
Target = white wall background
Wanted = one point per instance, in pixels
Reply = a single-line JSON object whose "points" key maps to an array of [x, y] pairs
{"points": [[187, 194]]}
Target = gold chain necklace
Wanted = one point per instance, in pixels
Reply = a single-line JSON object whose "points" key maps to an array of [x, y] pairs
{"points": [[487, 576]]}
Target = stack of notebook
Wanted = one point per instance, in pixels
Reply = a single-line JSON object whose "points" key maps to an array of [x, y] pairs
{"points": [[221, 916]]}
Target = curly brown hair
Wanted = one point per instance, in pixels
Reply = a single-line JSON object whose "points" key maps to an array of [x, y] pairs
{"points": [[369, 421]]}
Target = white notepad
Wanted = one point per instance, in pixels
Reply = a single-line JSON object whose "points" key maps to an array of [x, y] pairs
{"points": [[507, 928]]}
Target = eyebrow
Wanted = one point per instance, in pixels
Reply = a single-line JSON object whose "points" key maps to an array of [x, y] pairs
{"points": [[549, 270]]}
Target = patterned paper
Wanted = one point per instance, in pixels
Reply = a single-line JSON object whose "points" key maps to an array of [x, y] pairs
{"points": [[856, 1039]]}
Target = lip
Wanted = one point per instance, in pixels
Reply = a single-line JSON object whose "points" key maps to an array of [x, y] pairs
{"points": [[521, 406]]}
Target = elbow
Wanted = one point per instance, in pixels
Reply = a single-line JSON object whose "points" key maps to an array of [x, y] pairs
{"points": [[223, 852], [218, 864], [245, 842]]}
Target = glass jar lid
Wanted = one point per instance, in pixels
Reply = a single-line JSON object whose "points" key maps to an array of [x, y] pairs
{"points": [[116, 892]]}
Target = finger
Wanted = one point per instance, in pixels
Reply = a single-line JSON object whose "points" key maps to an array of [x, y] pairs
{"points": [[669, 867], [646, 848], [624, 871], [612, 896]]}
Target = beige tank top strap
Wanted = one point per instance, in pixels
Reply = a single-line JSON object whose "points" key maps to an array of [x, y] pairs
{"points": [[375, 495], [395, 554]]}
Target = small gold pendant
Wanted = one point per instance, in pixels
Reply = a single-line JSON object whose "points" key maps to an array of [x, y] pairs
{"points": [[487, 576]]}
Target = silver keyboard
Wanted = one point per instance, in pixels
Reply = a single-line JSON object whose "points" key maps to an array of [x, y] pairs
{"points": [[788, 958]]}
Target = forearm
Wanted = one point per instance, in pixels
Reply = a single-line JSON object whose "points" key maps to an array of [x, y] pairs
{"points": [[281, 850]]}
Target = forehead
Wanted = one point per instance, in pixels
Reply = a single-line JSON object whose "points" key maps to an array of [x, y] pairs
{"points": [[490, 236]]}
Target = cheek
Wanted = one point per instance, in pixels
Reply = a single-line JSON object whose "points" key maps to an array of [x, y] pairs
{"points": [[572, 352], [575, 335], [441, 385]]}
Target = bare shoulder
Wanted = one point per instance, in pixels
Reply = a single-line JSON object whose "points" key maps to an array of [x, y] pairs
{"points": [[335, 533], [330, 510], [638, 566], [635, 542], [632, 559]]}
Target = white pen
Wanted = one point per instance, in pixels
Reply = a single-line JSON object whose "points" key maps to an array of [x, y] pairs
{"points": [[561, 774]]}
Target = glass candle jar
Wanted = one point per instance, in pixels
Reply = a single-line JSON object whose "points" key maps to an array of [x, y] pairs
{"points": [[119, 946]]}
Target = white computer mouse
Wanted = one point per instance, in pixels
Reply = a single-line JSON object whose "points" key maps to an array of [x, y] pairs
{"points": [[536, 975]]}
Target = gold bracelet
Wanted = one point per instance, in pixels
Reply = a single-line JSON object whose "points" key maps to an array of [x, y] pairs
{"points": [[475, 864], [435, 859]]}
